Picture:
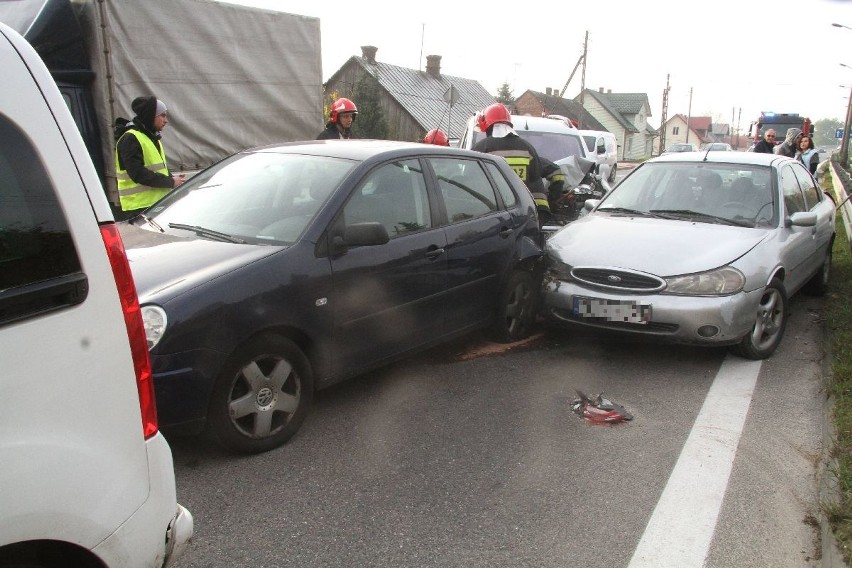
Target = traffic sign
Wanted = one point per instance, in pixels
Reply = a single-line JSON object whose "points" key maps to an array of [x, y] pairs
{"points": [[838, 133]]}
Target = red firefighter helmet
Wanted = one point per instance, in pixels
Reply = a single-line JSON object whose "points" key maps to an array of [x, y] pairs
{"points": [[341, 106], [492, 115], [437, 137]]}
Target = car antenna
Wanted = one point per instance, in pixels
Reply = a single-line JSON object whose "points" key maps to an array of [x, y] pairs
{"points": [[706, 153]]}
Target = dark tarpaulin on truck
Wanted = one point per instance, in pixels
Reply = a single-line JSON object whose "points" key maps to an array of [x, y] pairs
{"points": [[52, 29]]}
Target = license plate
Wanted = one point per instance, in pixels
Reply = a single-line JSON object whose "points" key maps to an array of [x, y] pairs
{"points": [[612, 310]]}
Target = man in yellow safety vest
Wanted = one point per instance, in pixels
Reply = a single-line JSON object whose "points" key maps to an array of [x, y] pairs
{"points": [[140, 161]]}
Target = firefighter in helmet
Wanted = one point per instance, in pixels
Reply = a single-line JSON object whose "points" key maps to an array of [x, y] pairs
{"points": [[437, 137], [339, 125], [501, 139]]}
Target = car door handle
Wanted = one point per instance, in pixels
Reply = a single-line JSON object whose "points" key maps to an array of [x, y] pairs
{"points": [[434, 253], [506, 231]]}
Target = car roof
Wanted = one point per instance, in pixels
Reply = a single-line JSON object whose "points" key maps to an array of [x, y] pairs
{"points": [[595, 132], [541, 124], [360, 149], [745, 158]]}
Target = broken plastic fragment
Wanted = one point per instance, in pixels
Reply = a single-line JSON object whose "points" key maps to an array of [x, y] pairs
{"points": [[599, 410]]}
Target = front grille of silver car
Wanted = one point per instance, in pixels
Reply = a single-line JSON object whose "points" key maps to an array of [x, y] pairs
{"points": [[617, 279]]}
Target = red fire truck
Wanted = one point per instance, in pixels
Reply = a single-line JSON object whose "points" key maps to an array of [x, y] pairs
{"points": [[781, 122]]}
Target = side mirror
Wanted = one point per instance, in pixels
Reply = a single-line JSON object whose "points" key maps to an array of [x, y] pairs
{"points": [[802, 219], [365, 234], [358, 234]]}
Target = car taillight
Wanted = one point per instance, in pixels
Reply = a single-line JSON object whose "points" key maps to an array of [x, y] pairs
{"points": [[135, 329]]}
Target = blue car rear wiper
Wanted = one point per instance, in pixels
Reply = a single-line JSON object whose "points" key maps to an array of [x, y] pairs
{"points": [[205, 232]]}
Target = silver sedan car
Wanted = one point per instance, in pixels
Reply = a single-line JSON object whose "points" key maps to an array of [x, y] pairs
{"points": [[698, 248]]}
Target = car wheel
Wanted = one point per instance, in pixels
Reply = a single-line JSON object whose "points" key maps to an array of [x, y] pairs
{"points": [[818, 284], [261, 396], [611, 178], [770, 321], [517, 308]]}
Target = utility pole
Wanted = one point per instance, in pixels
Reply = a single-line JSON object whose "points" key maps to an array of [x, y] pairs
{"points": [[689, 115], [739, 116], [664, 116], [583, 81]]}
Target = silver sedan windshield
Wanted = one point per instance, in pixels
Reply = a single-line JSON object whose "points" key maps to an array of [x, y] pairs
{"points": [[709, 192]]}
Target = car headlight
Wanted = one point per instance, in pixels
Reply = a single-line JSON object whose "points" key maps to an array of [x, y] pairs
{"points": [[155, 322], [720, 282]]}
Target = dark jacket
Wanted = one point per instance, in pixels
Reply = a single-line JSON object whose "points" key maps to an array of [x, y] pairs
{"points": [[332, 133], [514, 148], [130, 152], [130, 156], [764, 147]]}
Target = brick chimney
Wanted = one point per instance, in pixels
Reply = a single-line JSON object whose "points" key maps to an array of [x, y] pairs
{"points": [[368, 52], [600, 89], [433, 65], [548, 91]]}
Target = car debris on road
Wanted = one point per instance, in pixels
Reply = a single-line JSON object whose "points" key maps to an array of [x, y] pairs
{"points": [[599, 410]]}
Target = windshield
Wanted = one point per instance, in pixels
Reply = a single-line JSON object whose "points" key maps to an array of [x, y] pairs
{"points": [[262, 197], [704, 192], [681, 148], [551, 146]]}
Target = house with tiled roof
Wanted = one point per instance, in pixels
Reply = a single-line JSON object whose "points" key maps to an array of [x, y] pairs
{"points": [[626, 116], [535, 103], [698, 133], [414, 101]]}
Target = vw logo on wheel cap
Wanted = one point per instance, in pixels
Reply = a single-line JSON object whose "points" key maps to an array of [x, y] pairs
{"points": [[265, 398]]}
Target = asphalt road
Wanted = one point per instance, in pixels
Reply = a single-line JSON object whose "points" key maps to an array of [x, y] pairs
{"points": [[469, 455]]}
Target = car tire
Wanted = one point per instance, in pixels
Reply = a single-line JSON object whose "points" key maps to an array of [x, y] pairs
{"points": [[261, 397], [517, 308], [769, 325], [818, 284]]}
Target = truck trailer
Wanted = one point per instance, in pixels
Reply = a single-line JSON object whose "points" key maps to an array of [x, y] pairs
{"points": [[232, 77]]}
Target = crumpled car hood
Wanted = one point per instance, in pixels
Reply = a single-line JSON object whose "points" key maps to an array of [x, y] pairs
{"points": [[656, 246], [164, 265]]}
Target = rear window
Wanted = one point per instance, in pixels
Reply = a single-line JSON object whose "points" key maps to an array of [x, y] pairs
{"points": [[551, 146], [36, 248]]}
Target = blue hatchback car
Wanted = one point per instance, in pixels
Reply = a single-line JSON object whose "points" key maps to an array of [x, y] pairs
{"points": [[288, 268]]}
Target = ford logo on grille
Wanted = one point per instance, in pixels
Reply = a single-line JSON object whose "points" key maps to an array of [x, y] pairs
{"points": [[614, 279]]}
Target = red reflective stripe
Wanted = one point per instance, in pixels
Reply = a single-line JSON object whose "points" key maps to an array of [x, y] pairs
{"points": [[135, 328]]}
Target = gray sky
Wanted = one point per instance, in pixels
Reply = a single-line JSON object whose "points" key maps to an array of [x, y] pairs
{"points": [[727, 52]]}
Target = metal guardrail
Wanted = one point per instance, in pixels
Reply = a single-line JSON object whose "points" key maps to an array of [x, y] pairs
{"points": [[842, 190]]}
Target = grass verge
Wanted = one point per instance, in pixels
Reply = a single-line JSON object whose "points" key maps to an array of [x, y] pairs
{"points": [[839, 321]]}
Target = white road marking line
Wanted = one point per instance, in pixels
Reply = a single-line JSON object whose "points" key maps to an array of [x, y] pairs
{"points": [[681, 528]]}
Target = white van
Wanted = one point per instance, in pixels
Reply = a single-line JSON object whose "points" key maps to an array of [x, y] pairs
{"points": [[603, 148], [86, 478]]}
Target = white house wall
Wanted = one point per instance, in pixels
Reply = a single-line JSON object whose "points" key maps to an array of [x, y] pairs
{"points": [[680, 137], [608, 121]]}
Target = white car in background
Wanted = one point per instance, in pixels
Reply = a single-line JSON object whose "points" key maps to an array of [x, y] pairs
{"points": [[681, 147], [87, 479], [603, 148], [553, 138]]}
